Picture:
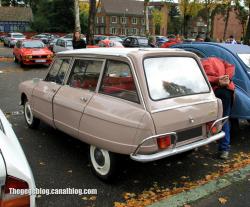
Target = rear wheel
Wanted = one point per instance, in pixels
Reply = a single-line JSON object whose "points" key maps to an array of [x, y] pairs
{"points": [[103, 163], [31, 121]]}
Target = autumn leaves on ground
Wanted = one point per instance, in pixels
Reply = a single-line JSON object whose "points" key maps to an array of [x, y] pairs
{"points": [[157, 193]]}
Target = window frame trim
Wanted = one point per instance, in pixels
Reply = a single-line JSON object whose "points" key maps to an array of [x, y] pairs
{"points": [[66, 75], [103, 60], [167, 98], [138, 91]]}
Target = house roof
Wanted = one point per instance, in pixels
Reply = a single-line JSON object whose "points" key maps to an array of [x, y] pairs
{"points": [[16, 14], [130, 7]]}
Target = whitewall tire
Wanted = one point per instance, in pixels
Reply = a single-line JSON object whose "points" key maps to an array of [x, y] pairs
{"points": [[31, 121], [102, 163]]}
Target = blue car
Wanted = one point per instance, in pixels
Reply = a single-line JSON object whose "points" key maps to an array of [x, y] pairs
{"points": [[239, 55]]}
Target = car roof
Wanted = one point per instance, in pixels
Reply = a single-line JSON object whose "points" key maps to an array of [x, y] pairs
{"points": [[118, 51], [234, 48]]}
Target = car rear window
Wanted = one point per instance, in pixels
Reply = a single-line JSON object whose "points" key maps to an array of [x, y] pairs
{"points": [[245, 58], [18, 36], [169, 77], [143, 41]]}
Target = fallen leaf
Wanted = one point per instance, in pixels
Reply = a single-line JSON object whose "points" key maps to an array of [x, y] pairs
{"points": [[42, 163], [85, 198], [92, 198], [222, 200]]}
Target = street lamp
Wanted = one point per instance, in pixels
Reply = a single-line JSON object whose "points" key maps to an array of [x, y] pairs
{"points": [[124, 18]]}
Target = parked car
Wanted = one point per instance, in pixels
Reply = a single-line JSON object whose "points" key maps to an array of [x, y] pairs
{"points": [[62, 44], [31, 52], [109, 43], [135, 41], [11, 39], [41, 37], [98, 38], [149, 104], [239, 55], [52, 43], [15, 171], [114, 38], [2, 37], [160, 40]]}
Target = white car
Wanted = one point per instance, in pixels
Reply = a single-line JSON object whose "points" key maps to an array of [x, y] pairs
{"points": [[11, 39], [63, 44], [15, 172]]}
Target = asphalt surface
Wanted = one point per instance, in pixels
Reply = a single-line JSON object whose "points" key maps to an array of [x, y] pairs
{"points": [[236, 195], [5, 51], [60, 161]]}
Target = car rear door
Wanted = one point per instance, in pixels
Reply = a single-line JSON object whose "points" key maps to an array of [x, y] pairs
{"points": [[72, 98], [45, 90]]}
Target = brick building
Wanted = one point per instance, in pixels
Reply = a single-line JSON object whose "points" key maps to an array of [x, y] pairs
{"points": [[234, 27], [120, 17]]}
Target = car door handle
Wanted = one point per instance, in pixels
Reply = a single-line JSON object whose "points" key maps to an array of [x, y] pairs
{"points": [[84, 99]]}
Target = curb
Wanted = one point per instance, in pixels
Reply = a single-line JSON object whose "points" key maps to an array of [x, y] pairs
{"points": [[183, 198]]}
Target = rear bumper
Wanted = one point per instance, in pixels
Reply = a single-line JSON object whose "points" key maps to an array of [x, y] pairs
{"points": [[177, 150]]}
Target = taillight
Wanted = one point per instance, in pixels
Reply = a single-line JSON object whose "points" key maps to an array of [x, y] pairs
{"points": [[14, 200], [212, 130], [164, 142], [14, 183]]}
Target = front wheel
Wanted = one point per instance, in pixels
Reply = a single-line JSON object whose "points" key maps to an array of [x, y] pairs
{"points": [[31, 121], [103, 163]]}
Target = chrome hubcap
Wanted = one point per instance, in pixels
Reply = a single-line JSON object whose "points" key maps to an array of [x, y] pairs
{"points": [[28, 113]]}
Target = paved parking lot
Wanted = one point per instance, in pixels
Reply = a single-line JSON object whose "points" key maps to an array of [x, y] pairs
{"points": [[59, 161]]}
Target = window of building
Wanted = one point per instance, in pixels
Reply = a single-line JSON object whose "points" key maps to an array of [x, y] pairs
{"points": [[102, 19], [97, 20], [113, 30], [134, 20], [143, 21], [118, 81], [142, 32], [102, 30], [85, 74], [134, 31], [114, 19], [124, 20]]}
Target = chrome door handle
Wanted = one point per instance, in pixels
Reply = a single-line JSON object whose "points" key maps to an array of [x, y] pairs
{"points": [[83, 99]]}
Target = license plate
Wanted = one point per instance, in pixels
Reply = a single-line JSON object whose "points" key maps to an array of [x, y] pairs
{"points": [[40, 61]]}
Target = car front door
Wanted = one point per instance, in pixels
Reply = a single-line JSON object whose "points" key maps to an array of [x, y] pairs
{"points": [[45, 90], [72, 98]]}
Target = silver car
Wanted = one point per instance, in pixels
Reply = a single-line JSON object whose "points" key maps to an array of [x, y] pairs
{"points": [[63, 44], [15, 172], [11, 39]]}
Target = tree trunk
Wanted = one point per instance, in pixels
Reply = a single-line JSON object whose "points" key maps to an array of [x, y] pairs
{"points": [[226, 20], [91, 23], [247, 35], [77, 16]]}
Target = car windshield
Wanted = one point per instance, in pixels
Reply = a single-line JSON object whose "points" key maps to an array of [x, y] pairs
{"points": [[116, 39], [143, 41], [169, 77], [246, 59], [18, 36], [33, 44], [69, 43]]}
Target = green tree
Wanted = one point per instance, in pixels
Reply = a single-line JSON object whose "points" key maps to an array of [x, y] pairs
{"points": [[157, 19]]}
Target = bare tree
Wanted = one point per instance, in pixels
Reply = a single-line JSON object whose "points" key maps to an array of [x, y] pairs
{"points": [[77, 16], [91, 22]]}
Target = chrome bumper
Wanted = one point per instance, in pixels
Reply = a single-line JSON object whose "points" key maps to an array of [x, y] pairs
{"points": [[176, 150]]}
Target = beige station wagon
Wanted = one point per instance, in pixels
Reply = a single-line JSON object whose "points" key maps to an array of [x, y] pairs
{"points": [[145, 103]]}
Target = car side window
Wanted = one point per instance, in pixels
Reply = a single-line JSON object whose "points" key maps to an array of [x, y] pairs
{"points": [[118, 81], [58, 71], [85, 74]]}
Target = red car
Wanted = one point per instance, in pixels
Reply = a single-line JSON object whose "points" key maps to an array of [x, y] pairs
{"points": [[107, 43], [30, 52]]}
